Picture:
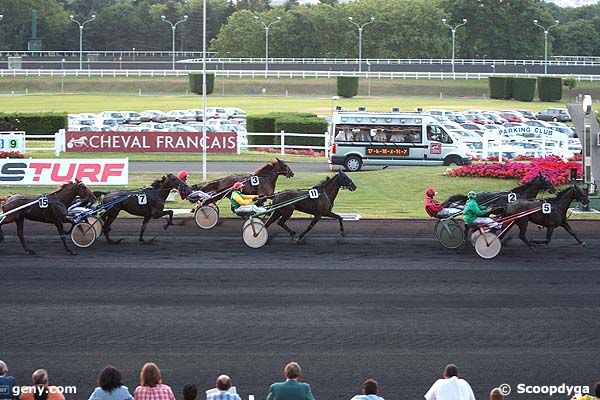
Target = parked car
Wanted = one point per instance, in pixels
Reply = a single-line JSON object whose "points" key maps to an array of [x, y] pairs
{"points": [[233, 112], [100, 121], [197, 114], [153, 127], [82, 121], [182, 128], [471, 126], [496, 118], [527, 114], [221, 125], [198, 126], [87, 116], [512, 117], [132, 117], [477, 119], [153, 116], [216, 112], [81, 128], [554, 114], [181, 115], [116, 115]]}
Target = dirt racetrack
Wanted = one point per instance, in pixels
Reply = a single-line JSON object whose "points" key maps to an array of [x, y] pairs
{"points": [[386, 302]]}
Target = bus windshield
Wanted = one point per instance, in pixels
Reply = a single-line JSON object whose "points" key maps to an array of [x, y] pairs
{"points": [[384, 134]]}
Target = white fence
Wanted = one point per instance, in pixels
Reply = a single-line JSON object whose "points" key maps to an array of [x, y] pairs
{"points": [[282, 142], [136, 73]]}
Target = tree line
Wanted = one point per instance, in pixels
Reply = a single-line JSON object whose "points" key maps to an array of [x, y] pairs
{"points": [[402, 28]]}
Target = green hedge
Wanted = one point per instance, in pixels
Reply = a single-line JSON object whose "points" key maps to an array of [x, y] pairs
{"points": [[195, 83], [549, 88], [313, 125], [34, 123], [347, 86], [500, 87], [523, 89], [260, 123]]}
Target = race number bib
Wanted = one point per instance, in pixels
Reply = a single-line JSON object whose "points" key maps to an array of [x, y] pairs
{"points": [[255, 180], [512, 197], [313, 193], [142, 199], [43, 202], [546, 208]]}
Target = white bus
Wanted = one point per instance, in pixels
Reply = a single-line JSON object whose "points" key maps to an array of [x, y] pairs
{"points": [[392, 138]]}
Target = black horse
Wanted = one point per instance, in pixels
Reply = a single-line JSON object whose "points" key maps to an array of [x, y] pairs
{"points": [[528, 190], [52, 210], [148, 203], [266, 179], [557, 215], [319, 207]]}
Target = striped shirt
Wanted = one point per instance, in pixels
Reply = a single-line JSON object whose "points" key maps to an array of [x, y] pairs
{"points": [[158, 392]]}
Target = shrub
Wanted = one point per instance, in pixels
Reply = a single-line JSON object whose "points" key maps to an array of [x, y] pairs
{"points": [[523, 89], [498, 86], [549, 88], [34, 123], [266, 123], [347, 86], [11, 154], [195, 83]]}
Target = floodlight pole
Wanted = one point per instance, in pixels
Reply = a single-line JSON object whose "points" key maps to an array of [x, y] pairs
{"points": [[81, 25], [266, 27], [535, 22], [204, 141], [173, 29], [360, 32], [453, 29]]}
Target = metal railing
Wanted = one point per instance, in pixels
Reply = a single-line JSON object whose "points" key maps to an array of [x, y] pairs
{"points": [[138, 73]]}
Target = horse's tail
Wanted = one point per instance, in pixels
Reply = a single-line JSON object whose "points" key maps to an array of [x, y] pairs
{"points": [[457, 198]]}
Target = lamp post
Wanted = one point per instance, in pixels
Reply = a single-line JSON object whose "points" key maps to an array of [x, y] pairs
{"points": [[453, 29], [204, 141], [267, 40], [81, 25], [360, 31], [62, 76], [535, 22], [173, 28]]}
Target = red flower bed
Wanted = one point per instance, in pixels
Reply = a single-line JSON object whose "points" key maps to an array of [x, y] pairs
{"points": [[557, 170], [11, 154], [306, 152]]}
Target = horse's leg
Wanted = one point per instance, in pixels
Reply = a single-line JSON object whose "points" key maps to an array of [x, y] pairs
{"points": [[340, 219], [170, 220], [144, 224], [549, 232], [110, 217], [20, 224], [522, 224], [285, 215], [572, 233], [315, 219], [61, 232]]}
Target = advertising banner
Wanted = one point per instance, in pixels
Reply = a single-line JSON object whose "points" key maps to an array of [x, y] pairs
{"points": [[54, 172], [149, 142]]}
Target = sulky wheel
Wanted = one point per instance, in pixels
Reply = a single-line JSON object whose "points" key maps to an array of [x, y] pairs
{"points": [[97, 223], [474, 236], [207, 216], [255, 233], [488, 245], [83, 234], [450, 234]]}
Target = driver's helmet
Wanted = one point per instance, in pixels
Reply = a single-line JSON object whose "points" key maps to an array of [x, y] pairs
{"points": [[430, 192], [471, 194], [238, 185], [182, 175]]}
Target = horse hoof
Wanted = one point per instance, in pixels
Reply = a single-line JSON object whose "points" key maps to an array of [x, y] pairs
{"points": [[148, 241], [115, 241], [583, 244], [343, 234], [30, 252], [301, 241], [72, 253]]}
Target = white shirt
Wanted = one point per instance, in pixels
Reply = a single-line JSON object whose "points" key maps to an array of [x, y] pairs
{"points": [[450, 389], [367, 397]]}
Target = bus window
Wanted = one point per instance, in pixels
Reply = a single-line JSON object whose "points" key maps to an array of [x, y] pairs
{"points": [[378, 135], [344, 136], [437, 134]]}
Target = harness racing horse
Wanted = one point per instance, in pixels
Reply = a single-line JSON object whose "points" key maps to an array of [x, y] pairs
{"points": [[528, 190], [55, 211], [148, 203], [267, 179], [320, 207], [556, 217]]}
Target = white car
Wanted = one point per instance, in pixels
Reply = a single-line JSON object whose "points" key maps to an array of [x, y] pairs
{"points": [[221, 125], [132, 117], [82, 121], [99, 121], [153, 127], [196, 113], [81, 128], [182, 128], [234, 112], [216, 112], [87, 116], [117, 115], [181, 115]]}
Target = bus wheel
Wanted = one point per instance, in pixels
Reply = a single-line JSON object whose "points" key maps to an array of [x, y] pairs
{"points": [[453, 161], [353, 164]]}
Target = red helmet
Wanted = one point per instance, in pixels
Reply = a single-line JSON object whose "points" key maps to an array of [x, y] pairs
{"points": [[238, 185], [430, 192], [182, 175]]}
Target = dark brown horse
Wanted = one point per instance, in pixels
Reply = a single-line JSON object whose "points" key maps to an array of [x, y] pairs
{"points": [[148, 203], [555, 216], [263, 184], [50, 209], [319, 207]]}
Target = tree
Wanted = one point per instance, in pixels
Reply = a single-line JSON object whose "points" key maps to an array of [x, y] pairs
{"points": [[240, 37], [330, 2], [577, 38], [289, 4], [570, 82]]}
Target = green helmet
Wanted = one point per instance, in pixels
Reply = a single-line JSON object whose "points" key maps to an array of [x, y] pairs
{"points": [[471, 194]]}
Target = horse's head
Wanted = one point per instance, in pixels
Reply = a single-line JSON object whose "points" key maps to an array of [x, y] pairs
{"points": [[171, 181], [281, 168], [84, 192], [544, 183], [581, 196], [345, 181]]}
